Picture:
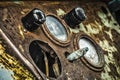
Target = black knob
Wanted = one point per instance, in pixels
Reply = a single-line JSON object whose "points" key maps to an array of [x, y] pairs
{"points": [[75, 17], [33, 19]]}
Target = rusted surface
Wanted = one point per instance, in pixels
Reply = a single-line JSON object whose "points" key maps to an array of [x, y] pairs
{"points": [[101, 27]]}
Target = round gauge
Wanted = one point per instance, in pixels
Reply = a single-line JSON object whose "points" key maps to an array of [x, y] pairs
{"points": [[91, 54], [93, 58], [56, 28]]}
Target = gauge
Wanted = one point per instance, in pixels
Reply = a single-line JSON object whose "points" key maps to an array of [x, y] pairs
{"points": [[56, 28], [91, 54], [33, 19], [93, 58]]}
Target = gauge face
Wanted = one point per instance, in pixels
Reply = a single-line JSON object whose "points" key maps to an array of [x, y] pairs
{"points": [[56, 28], [91, 55]]}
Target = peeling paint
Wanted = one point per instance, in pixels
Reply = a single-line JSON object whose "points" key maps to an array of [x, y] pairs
{"points": [[91, 28], [95, 28], [109, 23], [10, 63], [111, 49], [106, 46], [106, 76], [60, 12], [109, 33]]}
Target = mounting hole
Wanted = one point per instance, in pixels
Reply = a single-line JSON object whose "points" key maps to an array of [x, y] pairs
{"points": [[45, 58], [104, 10]]}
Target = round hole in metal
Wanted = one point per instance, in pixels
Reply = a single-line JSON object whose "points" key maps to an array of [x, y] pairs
{"points": [[56, 28], [45, 58]]}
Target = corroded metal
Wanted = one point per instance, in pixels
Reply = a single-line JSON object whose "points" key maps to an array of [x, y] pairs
{"points": [[99, 26], [22, 58]]}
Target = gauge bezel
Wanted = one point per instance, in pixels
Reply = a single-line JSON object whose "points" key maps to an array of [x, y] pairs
{"points": [[52, 37], [100, 65]]}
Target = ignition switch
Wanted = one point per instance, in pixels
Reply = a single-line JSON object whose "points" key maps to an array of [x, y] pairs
{"points": [[75, 17], [33, 19]]}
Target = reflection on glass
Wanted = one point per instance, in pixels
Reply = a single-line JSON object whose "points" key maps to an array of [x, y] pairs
{"points": [[91, 55], [56, 28]]}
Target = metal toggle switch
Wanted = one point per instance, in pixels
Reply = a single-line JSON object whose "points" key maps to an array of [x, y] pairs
{"points": [[33, 19], [77, 54]]}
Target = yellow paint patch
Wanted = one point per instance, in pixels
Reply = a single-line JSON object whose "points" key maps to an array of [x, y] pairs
{"points": [[105, 45], [10, 63], [109, 23], [60, 12], [106, 76], [21, 48], [91, 28], [21, 31], [109, 33]]}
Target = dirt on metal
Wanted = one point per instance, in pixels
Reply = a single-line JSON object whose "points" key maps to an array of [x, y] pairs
{"points": [[99, 25]]}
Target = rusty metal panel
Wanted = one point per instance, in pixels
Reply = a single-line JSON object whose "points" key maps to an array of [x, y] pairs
{"points": [[100, 26]]}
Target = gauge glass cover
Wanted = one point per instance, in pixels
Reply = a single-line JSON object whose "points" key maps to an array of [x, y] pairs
{"points": [[56, 28], [91, 55]]}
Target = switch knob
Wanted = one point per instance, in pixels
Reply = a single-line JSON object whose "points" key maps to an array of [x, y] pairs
{"points": [[75, 17], [33, 19]]}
